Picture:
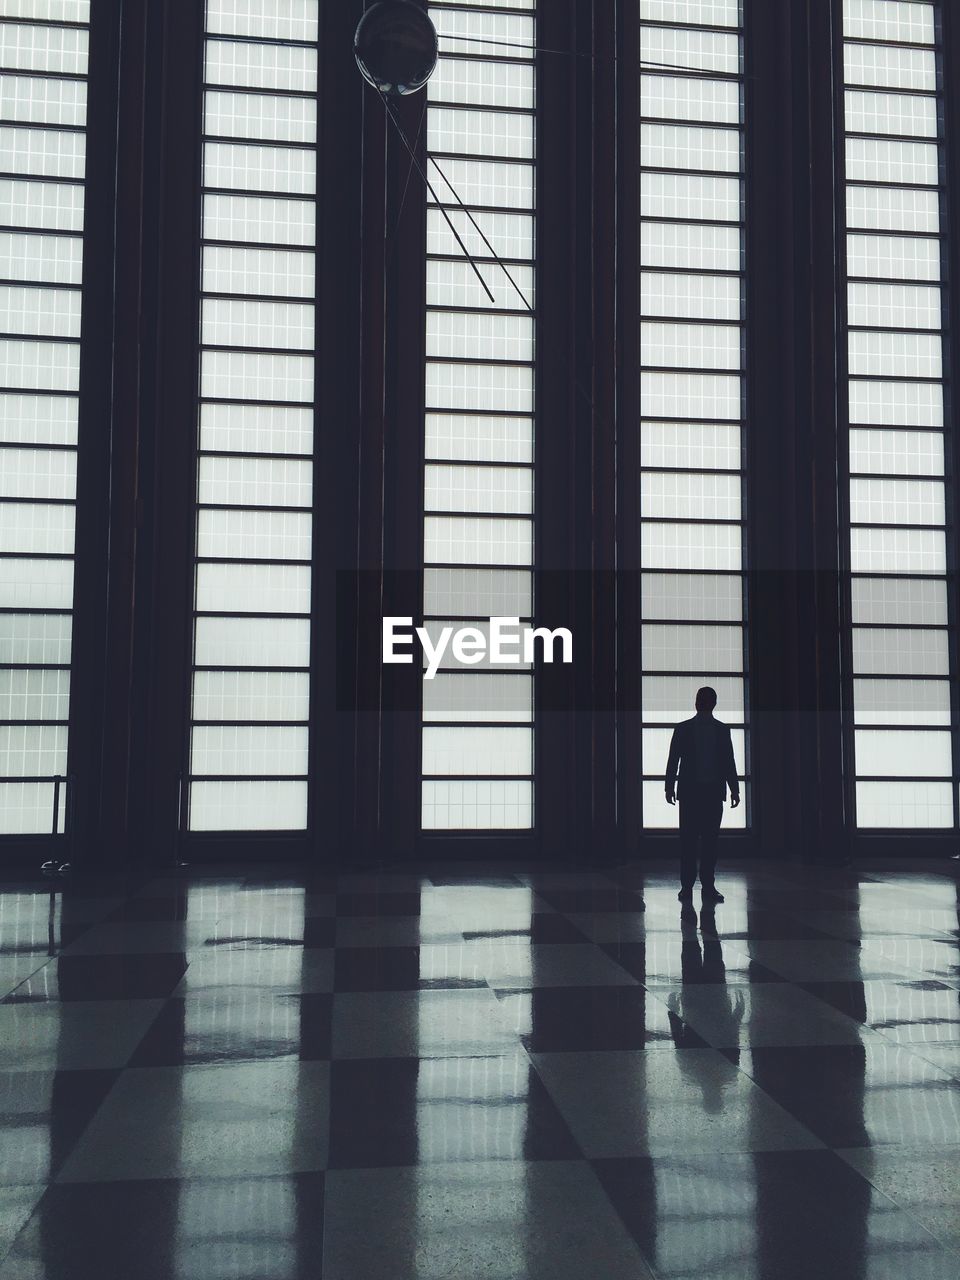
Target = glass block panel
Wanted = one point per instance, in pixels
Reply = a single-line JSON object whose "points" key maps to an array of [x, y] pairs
{"points": [[248, 806], [477, 806], [679, 496], [456, 540], [903, 753], [893, 257], [506, 490], [691, 546], [884, 651], [476, 752], [664, 244], [692, 648], [249, 749], [690, 445], [478, 697], [490, 593], [669, 699], [900, 601], [901, 702], [692, 597], [469, 438], [917, 805]]}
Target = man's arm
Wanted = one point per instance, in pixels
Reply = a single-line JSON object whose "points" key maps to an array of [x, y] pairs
{"points": [[730, 771], [673, 762]]}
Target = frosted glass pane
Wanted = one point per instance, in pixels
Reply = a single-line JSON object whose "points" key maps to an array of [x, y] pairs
{"points": [[897, 502], [260, 66], [900, 652], [490, 593], [893, 257], [49, 259], [703, 50], [671, 98], [905, 805], [38, 473], [255, 428], [897, 68], [485, 133], [452, 540], [48, 10], [291, 20], [40, 366], [454, 284], [259, 219], [248, 806], [475, 29], [694, 597], [681, 496], [486, 84], [267, 482], [897, 452], [690, 297], [251, 695], [500, 388], [673, 195], [478, 697], [34, 695], [40, 312], [41, 206], [690, 395], [36, 528], [45, 152], [479, 439], [59, 50], [897, 600], [906, 702], [490, 489], [36, 584], [483, 183], [254, 535], [896, 404], [690, 346], [692, 648], [670, 699], [477, 751], [900, 20], [880, 160], [671, 146], [664, 244], [252, 642], [701, 446], [894, 113], [901, 355], [690, 546], [260, 271], [894, 305], [38, 419], [902, 753], [246, 749], [483, 337], [898, 551], [892, 209], [253, 588], [477, 806], [26, 808], [707, 13], [245, 376], [33, 751], [32, 638], [509, 235], [232, 323], [262, 116]]}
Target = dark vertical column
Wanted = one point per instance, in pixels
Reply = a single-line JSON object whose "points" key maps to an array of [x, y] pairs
{"points": [[821, 439], [166, 408], [559, 505], [99, 469], [776, 480], [342, 298]]}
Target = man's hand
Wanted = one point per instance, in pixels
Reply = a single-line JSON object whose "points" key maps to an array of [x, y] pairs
{"points": [[671, 798], [734, 799]]}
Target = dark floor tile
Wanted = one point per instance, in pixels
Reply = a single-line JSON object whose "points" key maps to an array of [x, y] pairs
{"points": [[106, 977], [451, 879], [193, 1230], [42, 1114], [378, 904], [859, 1095], [784, 1214], [237, 1025], [544, 927], [319, 931], [400, 1111], [591, 899], [388, 969], [170, 907], [568, 1019]]}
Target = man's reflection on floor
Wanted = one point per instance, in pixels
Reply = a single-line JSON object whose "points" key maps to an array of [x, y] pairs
{"points": [[702, 969]]}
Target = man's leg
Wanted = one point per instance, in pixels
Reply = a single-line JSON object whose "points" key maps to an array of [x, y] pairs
{"points": [[711, 815], [689, 831]]}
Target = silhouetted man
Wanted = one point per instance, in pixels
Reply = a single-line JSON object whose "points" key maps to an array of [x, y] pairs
{"points": [[703, 750]]}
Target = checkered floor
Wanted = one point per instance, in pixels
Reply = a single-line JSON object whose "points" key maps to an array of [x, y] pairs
{"points": [[482, 1075]]}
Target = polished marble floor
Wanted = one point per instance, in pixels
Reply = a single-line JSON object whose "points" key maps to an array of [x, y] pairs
{"points": [[482, 1075]]}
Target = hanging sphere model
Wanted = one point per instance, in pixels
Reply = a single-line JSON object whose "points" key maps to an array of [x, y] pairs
{"points": [[396, 46]]}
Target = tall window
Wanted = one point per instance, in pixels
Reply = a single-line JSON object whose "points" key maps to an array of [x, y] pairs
{"points": [[477, 735], [899, 662], [43, 102], [248, 746], [692, 395]]}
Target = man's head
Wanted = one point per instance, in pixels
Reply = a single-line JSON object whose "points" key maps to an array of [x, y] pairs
{"points": [[706, 700]]}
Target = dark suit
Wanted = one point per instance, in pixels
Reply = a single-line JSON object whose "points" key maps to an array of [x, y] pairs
{"points": [[701, 787]]}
